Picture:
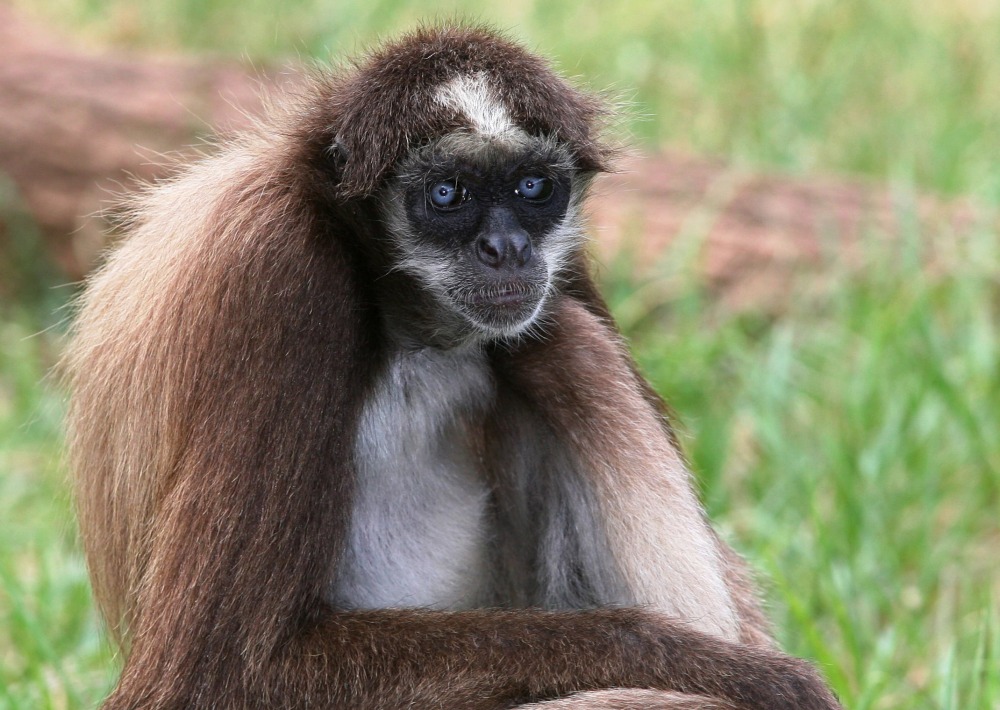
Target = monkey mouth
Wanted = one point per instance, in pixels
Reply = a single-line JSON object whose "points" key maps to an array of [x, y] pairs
{"points": [[505, 307], [506, 296]]}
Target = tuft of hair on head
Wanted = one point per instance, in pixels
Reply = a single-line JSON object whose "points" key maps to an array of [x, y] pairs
{"points": [[391, 100]]}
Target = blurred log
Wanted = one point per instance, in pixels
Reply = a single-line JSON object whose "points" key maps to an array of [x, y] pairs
{"points": [[757, 240], [78, 128]]}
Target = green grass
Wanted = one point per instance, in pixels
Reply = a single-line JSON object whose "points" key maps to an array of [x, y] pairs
{"points": [[51, 652], [850, 447]]}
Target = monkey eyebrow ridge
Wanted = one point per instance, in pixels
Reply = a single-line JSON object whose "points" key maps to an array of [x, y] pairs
{"points": [[462, 154]]}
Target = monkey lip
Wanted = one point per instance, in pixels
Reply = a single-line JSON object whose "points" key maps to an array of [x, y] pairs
{"points": [[502, 307], [507, 296]]}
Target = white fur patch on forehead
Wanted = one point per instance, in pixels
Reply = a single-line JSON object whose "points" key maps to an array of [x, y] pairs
{"points": [[471, 96]]}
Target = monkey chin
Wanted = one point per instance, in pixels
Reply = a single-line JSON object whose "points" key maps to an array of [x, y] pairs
{"points": [[503, 311]]}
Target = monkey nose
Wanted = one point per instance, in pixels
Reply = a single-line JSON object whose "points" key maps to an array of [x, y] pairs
{"points": [[497, 250]]}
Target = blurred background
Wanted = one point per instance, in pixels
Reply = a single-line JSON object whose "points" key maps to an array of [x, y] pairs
{"points": [[801, 246]]}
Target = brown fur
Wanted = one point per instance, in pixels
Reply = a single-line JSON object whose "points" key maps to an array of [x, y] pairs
{"points": [[622, 699], [365, 104], [220, 362]]}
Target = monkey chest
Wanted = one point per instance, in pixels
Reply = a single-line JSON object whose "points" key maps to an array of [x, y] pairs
{"points": [[419, 523]]}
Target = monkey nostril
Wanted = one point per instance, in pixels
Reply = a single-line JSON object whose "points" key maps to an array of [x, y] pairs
{"points": [[521, 248], [491, 250]]}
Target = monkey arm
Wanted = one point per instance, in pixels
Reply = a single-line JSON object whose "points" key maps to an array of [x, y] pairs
{"points": [[491, 658], [479, 660], [754, 626], [578, 375]]}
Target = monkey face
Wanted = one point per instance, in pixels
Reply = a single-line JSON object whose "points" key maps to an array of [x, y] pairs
{"points": [[485, 224]]}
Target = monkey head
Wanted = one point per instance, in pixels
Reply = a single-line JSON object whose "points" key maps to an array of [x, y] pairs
{"points": [[478, 157], [484, 222]]}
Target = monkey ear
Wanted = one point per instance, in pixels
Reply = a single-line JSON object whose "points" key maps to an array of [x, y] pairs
{"points": [[357, 170], [337, 154], [371, 132], [363, 155]]}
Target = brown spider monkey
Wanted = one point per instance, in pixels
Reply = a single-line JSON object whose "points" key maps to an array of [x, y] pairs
{"points": [[352, 427]]}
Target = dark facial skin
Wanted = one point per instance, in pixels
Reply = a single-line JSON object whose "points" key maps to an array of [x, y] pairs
{"points": [[492, 209]]}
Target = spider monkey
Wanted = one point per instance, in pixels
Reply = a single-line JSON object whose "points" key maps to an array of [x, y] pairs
{"points": [[351, 425]]}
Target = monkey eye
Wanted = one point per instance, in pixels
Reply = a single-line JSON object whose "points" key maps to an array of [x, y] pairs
{"points": [[535, 189], [447, 195]]}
